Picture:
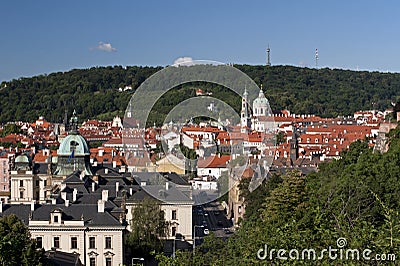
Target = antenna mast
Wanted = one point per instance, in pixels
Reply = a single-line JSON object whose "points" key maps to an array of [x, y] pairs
{"points": [[316, 58], [268, 56]]}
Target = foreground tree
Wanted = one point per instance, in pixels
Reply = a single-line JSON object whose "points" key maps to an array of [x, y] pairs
{"points": [[148, 227], [16, 245]]}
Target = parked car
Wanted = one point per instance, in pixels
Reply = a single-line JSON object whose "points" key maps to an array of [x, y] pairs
{"points": [[206, 231]]}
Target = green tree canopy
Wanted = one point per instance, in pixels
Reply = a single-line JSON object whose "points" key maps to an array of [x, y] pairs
{"points": [[148, 228], [16, 245]]}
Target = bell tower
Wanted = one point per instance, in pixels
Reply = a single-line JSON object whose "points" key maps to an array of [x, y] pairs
{"points": [[245, 121]]}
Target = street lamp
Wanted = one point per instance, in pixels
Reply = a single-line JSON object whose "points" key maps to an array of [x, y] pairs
{"points": [[194, 236], [181, 238]]}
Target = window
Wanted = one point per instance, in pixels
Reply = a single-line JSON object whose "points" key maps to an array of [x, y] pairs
{"points": [[21, 194], [108, 241], [108, 262], [21, 183], [92, 262], [209, 171], [39, 242], [74, 242], [56, 242], [55, 219], [4, 187], [173, 229], [92, 242], [173, 214]]}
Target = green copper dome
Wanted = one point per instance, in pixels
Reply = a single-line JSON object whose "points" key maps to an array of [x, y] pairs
{"points": [[74, 142], [23, 158], [261, 101]]}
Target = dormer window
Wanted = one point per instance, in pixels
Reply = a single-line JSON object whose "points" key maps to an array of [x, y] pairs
{"points": [[55, 216]]}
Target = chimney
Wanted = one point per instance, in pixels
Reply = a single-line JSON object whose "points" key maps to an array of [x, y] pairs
{"points": [[53, 201], [66, 203], [143, 183], [100, 206], [64, 195], [32, 205], [106, 171], [1, 206], [114, 164], [166, 185], [116, 187], [93, 186], [131, 191], [74, 194], [101, 152], [104, 195]]}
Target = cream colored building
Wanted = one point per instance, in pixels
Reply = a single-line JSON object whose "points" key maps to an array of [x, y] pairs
{"points": [[171, 163]]}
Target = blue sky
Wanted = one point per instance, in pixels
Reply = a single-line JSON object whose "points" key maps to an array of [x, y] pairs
{"points": [[47, 36]]}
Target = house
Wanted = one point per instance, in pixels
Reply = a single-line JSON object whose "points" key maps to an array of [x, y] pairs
{"points": [[213, 165]]}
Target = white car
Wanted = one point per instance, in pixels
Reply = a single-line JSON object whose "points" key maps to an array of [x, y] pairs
{"points": [[206, 231]]}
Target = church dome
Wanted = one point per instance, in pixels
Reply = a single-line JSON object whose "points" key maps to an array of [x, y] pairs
{"points": [[261, 101], [261, 105], [74, 142], [23, 158]]}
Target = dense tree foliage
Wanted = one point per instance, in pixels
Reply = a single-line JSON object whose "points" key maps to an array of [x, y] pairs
{"points": [[10, 129], [94, 92], [16, 246], [148, 227]]}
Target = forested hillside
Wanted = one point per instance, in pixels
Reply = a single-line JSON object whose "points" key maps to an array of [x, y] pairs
{"points": [[94, 92]]}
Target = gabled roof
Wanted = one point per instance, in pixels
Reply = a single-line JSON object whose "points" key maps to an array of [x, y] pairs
{"points": [[214, 161], [73, 179]]}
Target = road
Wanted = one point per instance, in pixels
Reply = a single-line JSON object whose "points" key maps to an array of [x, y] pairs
{"points": [[210, 216]]}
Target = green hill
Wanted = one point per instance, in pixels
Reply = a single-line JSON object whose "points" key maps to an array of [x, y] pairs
{"points": [[94, 92]]}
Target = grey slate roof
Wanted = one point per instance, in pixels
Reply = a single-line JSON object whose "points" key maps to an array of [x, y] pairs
{"points": [[22, 211]]}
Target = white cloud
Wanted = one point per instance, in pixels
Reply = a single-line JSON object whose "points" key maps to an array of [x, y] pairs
{"points": [[185, 61], [106, 47]]}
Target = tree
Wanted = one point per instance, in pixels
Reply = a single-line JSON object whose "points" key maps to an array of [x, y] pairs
{"points": [[16, 245], [10, 129], [148, 228]]}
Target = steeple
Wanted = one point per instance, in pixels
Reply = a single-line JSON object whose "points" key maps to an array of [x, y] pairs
{"points": [[74, 123], [245, 121]]}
